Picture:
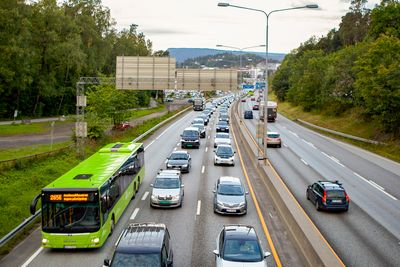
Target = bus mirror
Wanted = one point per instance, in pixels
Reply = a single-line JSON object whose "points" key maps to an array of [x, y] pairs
{"points": [[33, 204], [104, 204]]}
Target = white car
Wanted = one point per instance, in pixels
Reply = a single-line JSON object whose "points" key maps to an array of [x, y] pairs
{"points": [[238, 245], [224, 155], [222, 138]]}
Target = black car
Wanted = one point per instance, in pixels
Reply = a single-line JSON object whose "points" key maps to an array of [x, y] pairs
{"points": [[142, 244], [248, 114], [224, 117], [179, 160], [190, 138], [328, 195], [204, 117], [222, 126]]}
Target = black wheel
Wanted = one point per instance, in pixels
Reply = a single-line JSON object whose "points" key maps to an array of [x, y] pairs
{"points": [[308, 198], [317, 205], [280, 145]]}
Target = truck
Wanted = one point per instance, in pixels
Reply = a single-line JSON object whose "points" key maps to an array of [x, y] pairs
{"points": [[272, 111], [199, 104]]}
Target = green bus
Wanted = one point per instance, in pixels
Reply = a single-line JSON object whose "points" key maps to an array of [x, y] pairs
{"points": [[80, 209]]}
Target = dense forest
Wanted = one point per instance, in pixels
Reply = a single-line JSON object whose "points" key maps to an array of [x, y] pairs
{"points": [[355, 67], [46, 45]]}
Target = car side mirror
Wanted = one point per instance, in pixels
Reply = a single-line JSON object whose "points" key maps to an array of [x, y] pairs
{"points": [[267, 254], [216, 252], [214, 191], [182, 185], [106, 262], [309, 186], [151, 185], [247, 193]]}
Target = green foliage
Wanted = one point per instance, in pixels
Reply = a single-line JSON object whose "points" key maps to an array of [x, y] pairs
{"points": [[378, 80], [280, 80], [385, 19]]}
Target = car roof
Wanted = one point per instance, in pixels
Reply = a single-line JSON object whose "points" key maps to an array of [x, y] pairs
{"points": [[331, 185], [179, 152], [240, 231], [226, 145], [229, 180], [226, 134], [191, 129], [142, 238], [197, 124], [272, 133], [169, 174]]}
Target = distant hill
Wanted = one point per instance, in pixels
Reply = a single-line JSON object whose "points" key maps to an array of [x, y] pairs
{"points": [[182, 54]]}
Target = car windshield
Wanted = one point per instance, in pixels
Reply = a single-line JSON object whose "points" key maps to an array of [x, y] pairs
{"points": [[334, 193], [222, 135], [222, 123], [230, 190], [199, 126], [140, 260], [273, 135], [166, 183], [225, 150], [240, 250], [197, 121], [190, 133], [179, 156]]}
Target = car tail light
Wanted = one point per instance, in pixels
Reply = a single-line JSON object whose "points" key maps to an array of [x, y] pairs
{"points": [[324, 197], [347, 197]]}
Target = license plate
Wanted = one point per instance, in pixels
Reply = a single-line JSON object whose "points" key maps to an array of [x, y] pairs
{"points": [[69, 247], [336, 201], [230, 210], [189, 145], [164, 202]]}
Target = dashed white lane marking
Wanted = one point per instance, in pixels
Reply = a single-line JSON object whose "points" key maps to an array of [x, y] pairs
{"points": [[175, 148], [178, 144], [206, 149], [198, 207], [145, 195], [295, 134], [31, 258], [203, 169], [149, 144], [333, 159], [285, 145], [208, 137], [380, 188], [305, 162], [309, 143], [135, 212]]}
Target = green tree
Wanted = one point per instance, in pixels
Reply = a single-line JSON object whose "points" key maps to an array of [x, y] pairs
{"points": [[385, 19], [378, 80], [354, 25]]}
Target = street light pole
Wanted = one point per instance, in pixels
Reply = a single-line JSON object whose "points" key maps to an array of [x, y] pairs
{"points": [[240, 56], [266, 60]]}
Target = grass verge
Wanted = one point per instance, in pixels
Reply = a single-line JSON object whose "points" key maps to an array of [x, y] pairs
{"points": [[32, 128], [351, 123], [29, 179]]}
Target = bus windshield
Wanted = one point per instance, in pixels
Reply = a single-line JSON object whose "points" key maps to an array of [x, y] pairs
{"points": [[70, 217]]}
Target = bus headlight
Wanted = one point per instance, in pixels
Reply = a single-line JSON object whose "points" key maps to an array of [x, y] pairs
{"points": [[96, 240], [45, 241]]}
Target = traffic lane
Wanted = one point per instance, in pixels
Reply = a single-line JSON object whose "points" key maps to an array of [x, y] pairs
{"points": [[371, 199], [157, 149], [298, 188], [209, 224], [358, 238], [382, 171]]}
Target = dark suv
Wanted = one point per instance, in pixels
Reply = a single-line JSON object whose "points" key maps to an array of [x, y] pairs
{"points": [[190, 137], [142, 244], [328, 195]]}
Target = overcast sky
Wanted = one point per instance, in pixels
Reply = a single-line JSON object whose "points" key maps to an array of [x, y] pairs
{"points": [[201, 23]]}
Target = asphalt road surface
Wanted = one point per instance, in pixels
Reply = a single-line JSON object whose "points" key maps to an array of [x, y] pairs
{"points": [[369, 233]]}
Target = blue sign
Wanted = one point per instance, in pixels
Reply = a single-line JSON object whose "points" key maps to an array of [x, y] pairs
{"points": [[260, 85], [247, 86]]}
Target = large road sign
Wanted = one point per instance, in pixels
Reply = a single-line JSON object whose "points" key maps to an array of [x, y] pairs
{"points": [[206, 79], [145, 73]]}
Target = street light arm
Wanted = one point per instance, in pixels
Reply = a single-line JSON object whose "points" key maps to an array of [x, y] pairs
{"points": [[249, 8], [253, 47], [227, 46], [291, 8]]}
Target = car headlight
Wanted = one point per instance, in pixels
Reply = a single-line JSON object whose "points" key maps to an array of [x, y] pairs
{"points": [[96, 240], [184, 165], [154, 197], [175, 197], [219, 203], [242, 204], [45, 241], [169, 165]]}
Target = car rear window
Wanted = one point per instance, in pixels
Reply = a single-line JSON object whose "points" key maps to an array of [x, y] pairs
{"points": [[334, 193], [273, 135]]}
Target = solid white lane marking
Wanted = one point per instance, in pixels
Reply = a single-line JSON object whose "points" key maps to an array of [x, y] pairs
{"points": [[333, 159], [305, 162], [326, 154], [206, 149], [376, 185], [135, 212], [202, 169], [198, 207], [380, 188], [31, 258], [145, 195], [161, 134], [149, 144]]}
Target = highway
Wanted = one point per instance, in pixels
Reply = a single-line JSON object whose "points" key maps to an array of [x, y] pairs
{"points": [[369, 233], [193, 228]]}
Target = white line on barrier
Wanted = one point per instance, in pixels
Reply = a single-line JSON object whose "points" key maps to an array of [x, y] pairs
{"points": [[145, 195], [305, 162], [198, 207], [31, 258], [135, 212]]}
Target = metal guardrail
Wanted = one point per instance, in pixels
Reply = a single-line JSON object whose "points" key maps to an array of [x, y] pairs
{"points": [[32, 218], [339, 133]]}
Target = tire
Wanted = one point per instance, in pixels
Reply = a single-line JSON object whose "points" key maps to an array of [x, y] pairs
{"points": [[280, 145], [317, 206], [308, 198]]}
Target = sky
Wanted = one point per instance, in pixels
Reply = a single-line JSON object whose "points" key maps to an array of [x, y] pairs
{"points": [[202, 24]]}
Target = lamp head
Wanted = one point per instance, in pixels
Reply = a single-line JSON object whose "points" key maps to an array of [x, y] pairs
{"points": [[312, 6], [223, 4]]}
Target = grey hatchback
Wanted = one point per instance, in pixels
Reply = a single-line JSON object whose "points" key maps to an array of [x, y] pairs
{"points": [[229, 196], [179, 160]]}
